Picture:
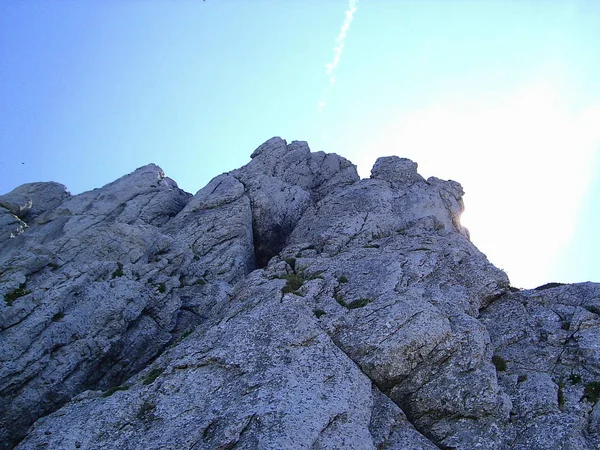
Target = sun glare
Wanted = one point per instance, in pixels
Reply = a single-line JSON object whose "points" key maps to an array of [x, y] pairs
{"points": [[524, 160]]}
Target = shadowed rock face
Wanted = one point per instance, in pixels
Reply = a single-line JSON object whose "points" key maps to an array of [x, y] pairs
{"points": [[288, 304]]}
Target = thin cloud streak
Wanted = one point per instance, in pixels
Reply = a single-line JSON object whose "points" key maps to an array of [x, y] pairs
{"points": [[337, 52]]}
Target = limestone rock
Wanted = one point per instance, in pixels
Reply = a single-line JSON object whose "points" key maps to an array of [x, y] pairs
{"points": [[287, 304], [548, 355], [282, 181], [86, 303], [32, 199]]}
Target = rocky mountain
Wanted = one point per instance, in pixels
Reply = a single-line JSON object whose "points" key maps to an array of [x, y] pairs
{"points": [[287, 305]]}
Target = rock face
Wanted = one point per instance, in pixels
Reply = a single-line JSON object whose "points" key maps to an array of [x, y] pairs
{"points": [[288, 304]]}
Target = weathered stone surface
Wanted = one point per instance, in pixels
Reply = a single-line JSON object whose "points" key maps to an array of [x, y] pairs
{"points": [[10, 225], [287, 304], [282, 181], [86, 301], [549, 342], [25, 203], [32, 199]]}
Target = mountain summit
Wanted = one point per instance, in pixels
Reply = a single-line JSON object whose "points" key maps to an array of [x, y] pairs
{"points": [[286, 305]]}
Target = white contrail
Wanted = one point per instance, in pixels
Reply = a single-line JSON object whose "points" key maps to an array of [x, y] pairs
{"points": [[337, 51]]}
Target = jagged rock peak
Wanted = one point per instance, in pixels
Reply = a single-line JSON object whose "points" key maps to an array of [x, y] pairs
{"points": [[393, 168], [275, 145], [287, 304], [31, 199]]}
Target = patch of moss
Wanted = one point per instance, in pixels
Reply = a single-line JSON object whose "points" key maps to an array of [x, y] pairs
{"points": [[200, 282], [10, 297], [114, 389], [591, 391], [499, 362], [119, 271], [361, 302], [343, 279], [574, 378], [151, 376], [162, 288]]}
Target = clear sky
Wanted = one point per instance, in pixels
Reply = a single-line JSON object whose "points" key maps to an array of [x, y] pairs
{"points": [[502, 96]]}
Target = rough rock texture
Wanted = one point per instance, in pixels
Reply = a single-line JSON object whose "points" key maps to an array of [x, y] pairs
{"points": [[288, 304]]}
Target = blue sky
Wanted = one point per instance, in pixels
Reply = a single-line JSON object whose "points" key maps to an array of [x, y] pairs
{"points": [[502, 96]]}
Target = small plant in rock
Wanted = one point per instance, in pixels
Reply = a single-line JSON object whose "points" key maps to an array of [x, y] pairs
{"points": [[10, 297], [499, 362], [343, 279], [119, 271], [200, 282], [291, 262], [294, 282], [151, 376], [566, 325], [162, 288], [339, 298], [186, 333], [591, 392], [361, 302], [146, 411], [574, 378], [354, 304], [58, 316], [112, 390], [318, 313]]}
